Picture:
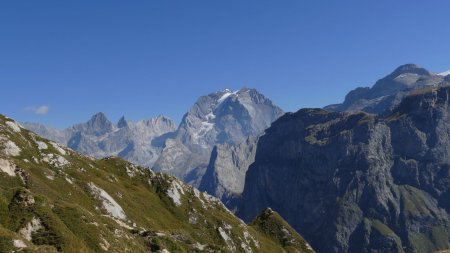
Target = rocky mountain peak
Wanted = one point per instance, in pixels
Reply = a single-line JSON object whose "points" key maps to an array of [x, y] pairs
{"points": [[217, 118], [387, 92], [133, 142], [410, 69], [122, 122], [161, 119], [98, 125], [99, 117], [160, 123]]}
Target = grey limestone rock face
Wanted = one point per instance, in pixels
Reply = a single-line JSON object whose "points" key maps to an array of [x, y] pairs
{"points": [[224, 117], [221, 118], [225, 174], [138, 142], [355, 182]]}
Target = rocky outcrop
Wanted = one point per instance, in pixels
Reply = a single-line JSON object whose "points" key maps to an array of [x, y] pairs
{"points": [[358, 182], [271, 224]]}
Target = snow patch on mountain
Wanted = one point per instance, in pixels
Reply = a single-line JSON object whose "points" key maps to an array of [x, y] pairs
{"points": [[217, 118], [224, 96], [445, 73]]}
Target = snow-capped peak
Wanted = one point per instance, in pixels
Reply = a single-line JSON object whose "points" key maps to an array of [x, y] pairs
{"points": [[224, 96], [226, 93], [446, 73]]}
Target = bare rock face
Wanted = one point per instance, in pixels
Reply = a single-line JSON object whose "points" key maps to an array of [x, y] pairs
{"points": [[360, 183], [139, 142], [223, 117], [225, 175], [387, 92]]}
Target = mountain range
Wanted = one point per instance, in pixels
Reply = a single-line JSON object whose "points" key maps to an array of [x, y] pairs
{"points": [[138, 142], [368, 175], [220, 118], [388, 92], [53, 199]]}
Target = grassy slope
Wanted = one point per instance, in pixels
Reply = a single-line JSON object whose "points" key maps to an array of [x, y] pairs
{"points": [[272, 225], [74, 220]]}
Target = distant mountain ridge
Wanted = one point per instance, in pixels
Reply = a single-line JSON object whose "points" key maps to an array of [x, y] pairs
{"points": [[220, 118], [99, 137], [387, 92]]}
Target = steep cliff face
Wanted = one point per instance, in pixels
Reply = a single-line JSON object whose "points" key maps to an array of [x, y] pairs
{"points": [[387, 92], [225, 175], [358, 182]]}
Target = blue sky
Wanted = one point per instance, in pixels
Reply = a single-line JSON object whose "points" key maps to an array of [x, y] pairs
{"points": [[145, 58]]}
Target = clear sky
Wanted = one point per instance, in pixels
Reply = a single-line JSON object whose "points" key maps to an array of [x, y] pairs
{"points": [[62, 61]]}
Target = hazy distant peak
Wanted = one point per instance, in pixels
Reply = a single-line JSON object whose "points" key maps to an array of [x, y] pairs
{"points": [[160, 120], [389, 90], [122, 122], [409, 69], [98, 118]]}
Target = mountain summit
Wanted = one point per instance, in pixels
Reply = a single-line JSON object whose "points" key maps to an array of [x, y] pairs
{"points": [[122, 122], [387, 92], [97, 125], [218, 118]]}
